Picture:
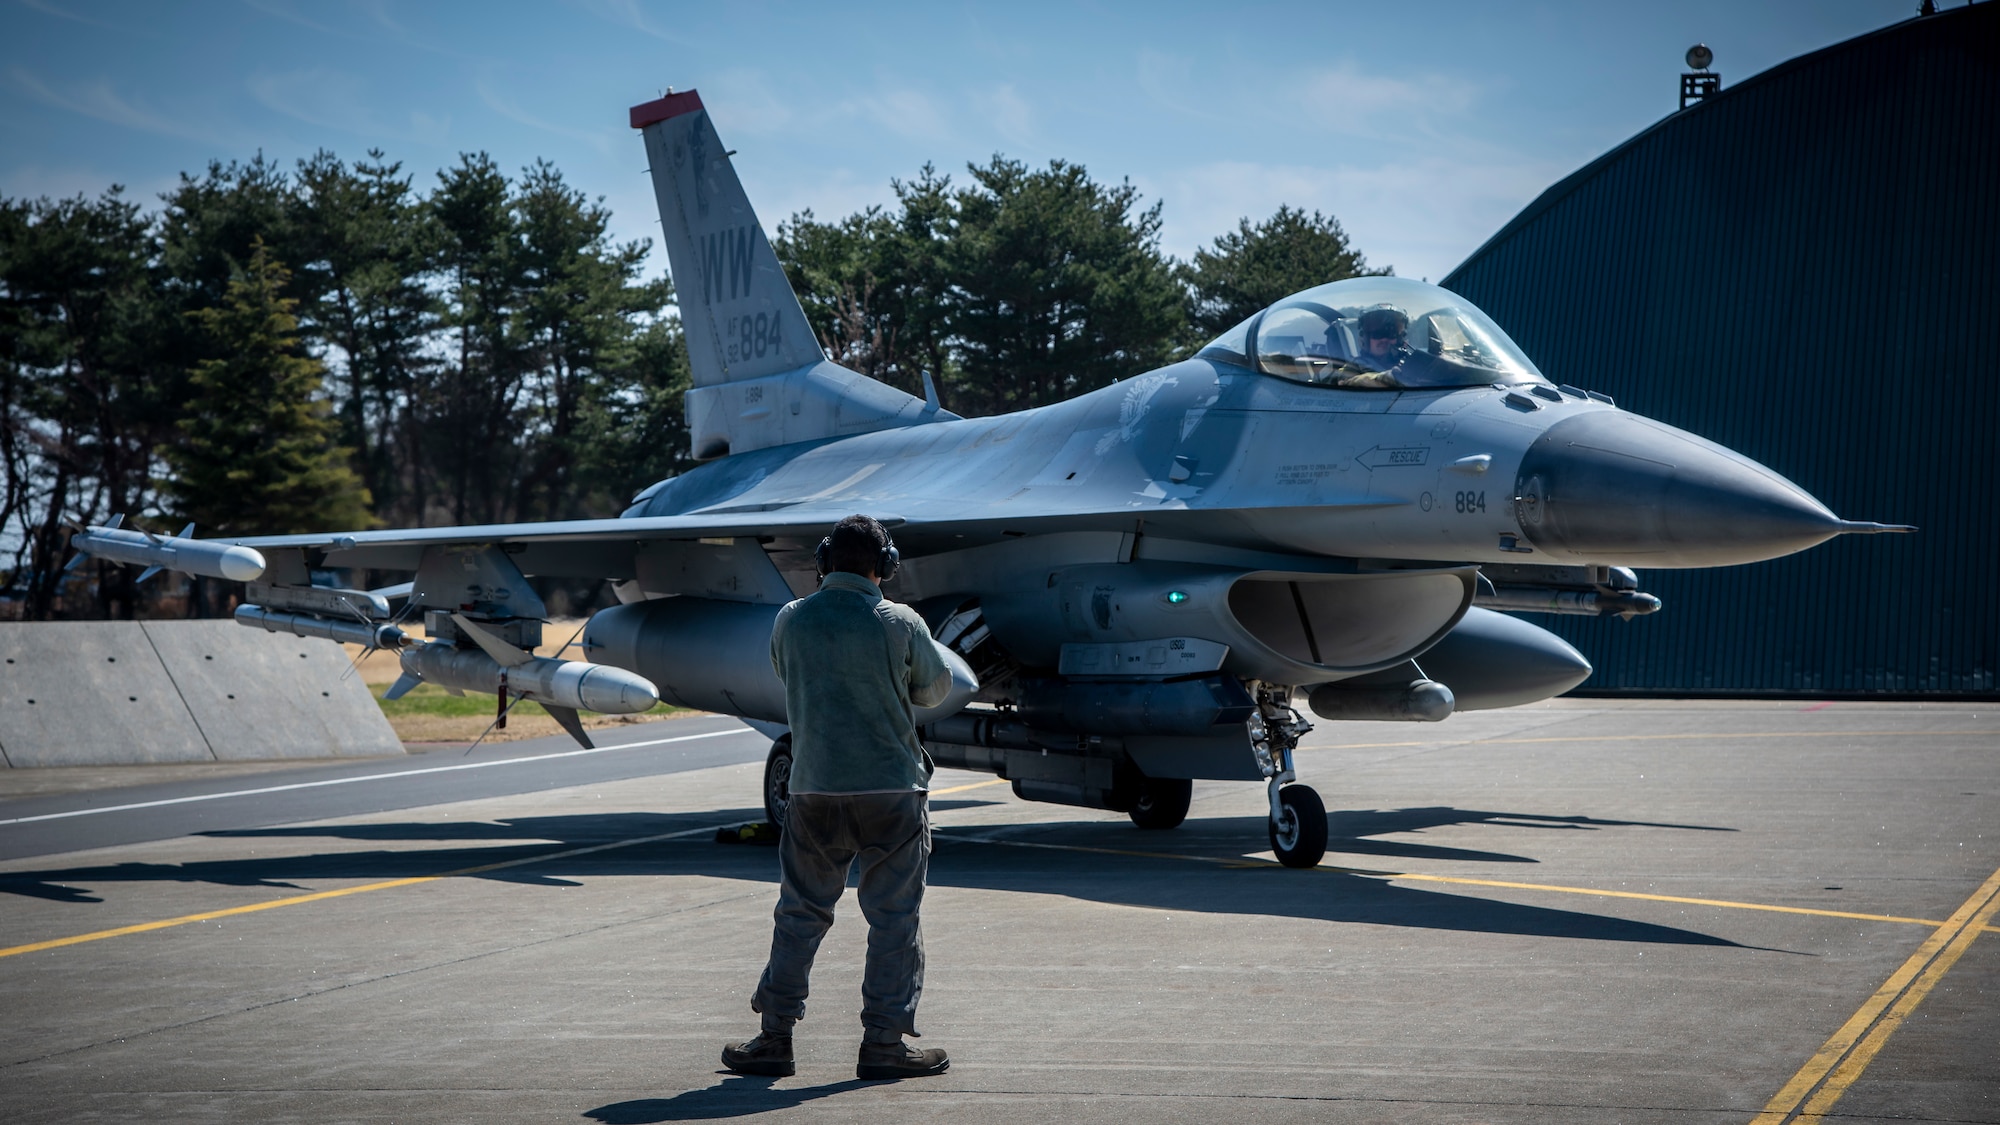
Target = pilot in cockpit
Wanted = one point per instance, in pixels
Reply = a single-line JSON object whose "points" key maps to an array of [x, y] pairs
{"points": [[1384, 343], [1385, 338]]}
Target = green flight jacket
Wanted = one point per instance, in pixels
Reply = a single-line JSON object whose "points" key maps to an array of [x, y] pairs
{"points": [[852, 663]]}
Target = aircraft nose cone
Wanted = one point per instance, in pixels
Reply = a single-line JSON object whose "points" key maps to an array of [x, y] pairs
{"points": [[1610, 487]]}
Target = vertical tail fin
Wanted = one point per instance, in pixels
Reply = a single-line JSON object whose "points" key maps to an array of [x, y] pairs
{"points": [[741, 317], [760, 378]]}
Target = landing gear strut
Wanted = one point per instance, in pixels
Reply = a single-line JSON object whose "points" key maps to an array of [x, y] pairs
{"points": [[1298, 816]]}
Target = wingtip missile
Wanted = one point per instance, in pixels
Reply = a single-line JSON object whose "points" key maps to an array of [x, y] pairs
{"points": [[176, 552]]}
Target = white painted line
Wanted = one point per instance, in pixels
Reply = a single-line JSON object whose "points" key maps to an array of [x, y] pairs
{"points": [[372, 777]]}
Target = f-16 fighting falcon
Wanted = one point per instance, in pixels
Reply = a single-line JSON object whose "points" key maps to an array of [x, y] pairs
{"points": [[1323, 510]]}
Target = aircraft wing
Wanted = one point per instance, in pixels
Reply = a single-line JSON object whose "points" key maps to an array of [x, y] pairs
{"points": [[597, 548]]}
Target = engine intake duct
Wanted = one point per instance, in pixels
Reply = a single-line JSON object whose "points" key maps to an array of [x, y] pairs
{"points": [[1187, 706]]}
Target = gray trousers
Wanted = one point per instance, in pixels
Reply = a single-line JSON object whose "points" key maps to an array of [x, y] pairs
{"points": [[888, 835]]}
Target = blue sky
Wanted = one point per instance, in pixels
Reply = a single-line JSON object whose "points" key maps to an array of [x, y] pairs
{"points": [[1422, 127]]}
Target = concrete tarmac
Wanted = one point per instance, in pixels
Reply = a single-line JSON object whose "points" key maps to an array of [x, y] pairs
{"points": [[1584, 911]]}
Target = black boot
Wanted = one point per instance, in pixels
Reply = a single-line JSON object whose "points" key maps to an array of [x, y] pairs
{"points": [[767, 1056], [899, 1060]]}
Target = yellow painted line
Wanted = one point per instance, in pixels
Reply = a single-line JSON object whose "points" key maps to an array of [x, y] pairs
{"points": [[1641, 738], [1394, 876], [319, 896], [974, 785], [1842, 1058], [1724, 903], [1725, 734], [100, 935]]}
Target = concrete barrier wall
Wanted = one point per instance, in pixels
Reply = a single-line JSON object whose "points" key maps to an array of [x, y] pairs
{"points": [[86, 693]]}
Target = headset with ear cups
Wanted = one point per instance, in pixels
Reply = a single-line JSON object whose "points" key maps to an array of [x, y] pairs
{"points": [[885, 563]]}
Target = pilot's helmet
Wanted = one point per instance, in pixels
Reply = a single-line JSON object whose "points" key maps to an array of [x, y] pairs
{"points": [[1385, 324]]}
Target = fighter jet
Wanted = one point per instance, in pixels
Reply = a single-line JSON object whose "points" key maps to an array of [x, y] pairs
{"points": [[1325, 509]]}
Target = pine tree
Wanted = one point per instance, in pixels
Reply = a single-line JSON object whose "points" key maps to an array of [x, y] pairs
{"points": [[1254, 266], [258, 454]]}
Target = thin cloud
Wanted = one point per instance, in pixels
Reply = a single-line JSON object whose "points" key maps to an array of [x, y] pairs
{"points": [[333, 99], [378, 20], [97, 99], [747, 101], [905, 112], [629, 15], [290, 14], [1173, 84], [1353, 102], [1011, 115], [47, 8], [1422, 216], [488, 92]]}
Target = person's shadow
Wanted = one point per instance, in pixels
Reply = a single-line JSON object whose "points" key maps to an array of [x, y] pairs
{"points": [[735, 1096]]}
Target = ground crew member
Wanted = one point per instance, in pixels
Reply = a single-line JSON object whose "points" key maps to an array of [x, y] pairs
{"points": [[852, 663]]}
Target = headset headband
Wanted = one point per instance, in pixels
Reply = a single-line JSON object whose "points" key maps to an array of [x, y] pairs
{"points": [[886, 561]]}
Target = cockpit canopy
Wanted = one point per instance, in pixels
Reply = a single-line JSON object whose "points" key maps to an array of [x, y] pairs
{"points": [[1376, 333]]}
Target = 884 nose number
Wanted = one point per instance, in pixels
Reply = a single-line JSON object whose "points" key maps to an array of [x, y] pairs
{"points": [[1468, 503]]}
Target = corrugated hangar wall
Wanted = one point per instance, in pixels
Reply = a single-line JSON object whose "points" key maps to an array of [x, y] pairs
{"points": [[1805, 268]]}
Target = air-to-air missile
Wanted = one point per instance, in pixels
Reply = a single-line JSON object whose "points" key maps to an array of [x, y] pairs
{"points": [[167, 552], [494, 667]]}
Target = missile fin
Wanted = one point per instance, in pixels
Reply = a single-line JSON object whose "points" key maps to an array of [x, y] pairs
{"points": [[150, 571], [503, 654], [116, 521], [566, 717], [80, 556], [401, 687], [187, 532]]}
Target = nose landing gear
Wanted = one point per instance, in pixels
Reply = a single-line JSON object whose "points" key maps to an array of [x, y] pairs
{"points": [[1298, 816]]}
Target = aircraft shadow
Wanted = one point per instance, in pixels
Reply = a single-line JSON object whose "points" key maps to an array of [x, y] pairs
{"points": [[1094, 860], [1348, 830]]}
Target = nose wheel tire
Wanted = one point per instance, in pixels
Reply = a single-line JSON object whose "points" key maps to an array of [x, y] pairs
{"points": [[1298, 832], [1163, 802], [778, 781]]}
